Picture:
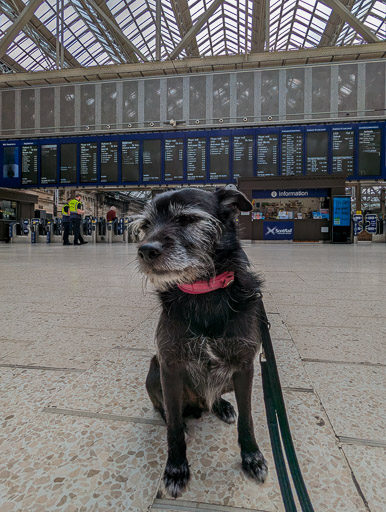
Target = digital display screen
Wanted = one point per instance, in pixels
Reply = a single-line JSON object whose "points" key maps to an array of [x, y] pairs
{"points": [[291, 153], [88, 162], [48, 163], [109, 161], [29, 165], [196, 155], [174, 159], [130, 160], [243, 156], [267, 164], [68, 163], [369, 152], [317, 152], [343, 151], [10, 161], [151, 165], [219, 157]]}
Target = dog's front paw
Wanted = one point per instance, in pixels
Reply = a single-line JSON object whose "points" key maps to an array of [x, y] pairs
{"points": [[224, 410], [254, 465], [176, 478]]}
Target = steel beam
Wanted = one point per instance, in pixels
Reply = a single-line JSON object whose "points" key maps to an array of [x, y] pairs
{"points": [[18, 25], [117, 30], [258, 26], [334, 26], [346, 15], [195, 29], [228, 62], [184, 21]]}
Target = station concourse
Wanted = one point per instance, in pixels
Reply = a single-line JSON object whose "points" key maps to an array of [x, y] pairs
{"points": [[114, 102]]}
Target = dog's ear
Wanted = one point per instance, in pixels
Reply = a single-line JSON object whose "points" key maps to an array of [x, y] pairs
{"points": [[232, 199]]}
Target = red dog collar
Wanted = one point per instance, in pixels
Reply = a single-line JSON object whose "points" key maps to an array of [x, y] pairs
{"points": [[221, 281]]}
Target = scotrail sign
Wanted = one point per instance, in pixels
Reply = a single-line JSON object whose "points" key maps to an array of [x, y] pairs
{"points": [[278, 230]]}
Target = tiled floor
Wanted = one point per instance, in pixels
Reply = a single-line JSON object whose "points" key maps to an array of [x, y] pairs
{"points": [[78, 432]]}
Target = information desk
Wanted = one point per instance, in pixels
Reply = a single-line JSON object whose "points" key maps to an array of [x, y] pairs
{"points": [[306, 230]]}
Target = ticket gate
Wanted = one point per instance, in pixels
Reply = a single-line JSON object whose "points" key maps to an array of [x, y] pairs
{"points": [[34, 227], [86, 228], [116, 230], [94, 230], [20, 232]]}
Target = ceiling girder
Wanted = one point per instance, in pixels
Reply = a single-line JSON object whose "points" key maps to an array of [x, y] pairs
{"points": [[195, 28], [346, 15], [334, 26], [258, 26], [18, 25], [184, 22], [117, 30]]}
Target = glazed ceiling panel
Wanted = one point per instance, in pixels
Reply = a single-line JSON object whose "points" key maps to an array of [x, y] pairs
{"points": [[81, 33]]}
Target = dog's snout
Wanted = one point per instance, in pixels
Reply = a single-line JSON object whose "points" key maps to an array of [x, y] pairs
{"points": [[150, 252]]}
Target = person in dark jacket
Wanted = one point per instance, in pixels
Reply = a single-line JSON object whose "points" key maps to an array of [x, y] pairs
{"points": [[66, 222]]}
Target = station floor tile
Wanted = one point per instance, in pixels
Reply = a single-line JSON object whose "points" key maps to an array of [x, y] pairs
{"points": [[369, 466], [353, 396]]}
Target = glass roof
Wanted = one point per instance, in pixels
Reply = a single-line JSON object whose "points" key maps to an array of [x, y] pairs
{"points": [[97, 32]]}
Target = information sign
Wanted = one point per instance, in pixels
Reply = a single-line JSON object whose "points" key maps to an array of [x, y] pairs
{"points": [[29, 165], [317, 152], [369, 152], [68, 163], [174, 159], [267, 162], [343, 151], [109, 162], [219, 157], [48, 163], [151, 160], [10, 161], [243, 156], [130, 160], [371, 223], [196, 158], [341, 211], [88, 162], [291, 153]]}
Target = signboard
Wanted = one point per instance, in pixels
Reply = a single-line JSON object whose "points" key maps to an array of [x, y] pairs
{"points": [[317, 152], [267, 161], [219, 158], [174, 159], [278, 230], [341, 215], [343, 151], [243, 156], [29, 165], [358, 223], [289, 194], [369, 152], [291, 153], [371, 223]]}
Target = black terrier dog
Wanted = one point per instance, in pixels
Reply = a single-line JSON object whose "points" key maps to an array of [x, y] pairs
{"points": [[208, 333]]}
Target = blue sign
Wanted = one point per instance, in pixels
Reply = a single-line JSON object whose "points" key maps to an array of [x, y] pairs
{"points": [[278, 230], [290, 194], [371, 223], [358, 223], [341, 211]]}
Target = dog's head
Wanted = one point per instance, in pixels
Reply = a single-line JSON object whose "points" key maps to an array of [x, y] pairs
{"points": [[181, 232]]}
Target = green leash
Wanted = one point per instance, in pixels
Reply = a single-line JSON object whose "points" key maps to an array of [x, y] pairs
{"points": [[277, 419]]}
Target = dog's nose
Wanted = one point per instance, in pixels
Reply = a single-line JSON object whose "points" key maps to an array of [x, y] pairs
{"points": [[150, 252]]}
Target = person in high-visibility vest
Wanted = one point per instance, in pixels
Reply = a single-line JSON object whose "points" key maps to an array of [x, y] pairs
{"points": [[76, 212], [66, 222]]}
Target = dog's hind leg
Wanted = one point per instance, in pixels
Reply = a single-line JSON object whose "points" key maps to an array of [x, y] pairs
{"points": [[253, 461], [224, 410], [154, 388]]}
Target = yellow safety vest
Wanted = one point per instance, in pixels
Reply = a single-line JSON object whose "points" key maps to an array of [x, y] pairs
{"points": [[74, 204], [64, 212]]}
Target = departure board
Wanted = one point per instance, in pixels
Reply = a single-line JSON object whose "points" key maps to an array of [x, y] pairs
{"points": [[196, 157], [29, 165], [369, 152], [88, 162], [174, 159], [109, 162], [343, 151], [242, 156], [267, 164], [219, 158], [291, 153], [48, 163], [10, 161], [151, 164], [130, 160], [68, 163], [317, 152]]}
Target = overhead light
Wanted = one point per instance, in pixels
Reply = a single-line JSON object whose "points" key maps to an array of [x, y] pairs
{"points": [[152, 124], [129, 125], [245, 119], [221, 120], [269, 118], [197, 121]]}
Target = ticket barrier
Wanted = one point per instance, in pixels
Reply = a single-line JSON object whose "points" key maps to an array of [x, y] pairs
{"points": [[94, 229], [102, 230], [86, 229], [129, 235], [20, 232], [116, 230], [34, 227]]}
